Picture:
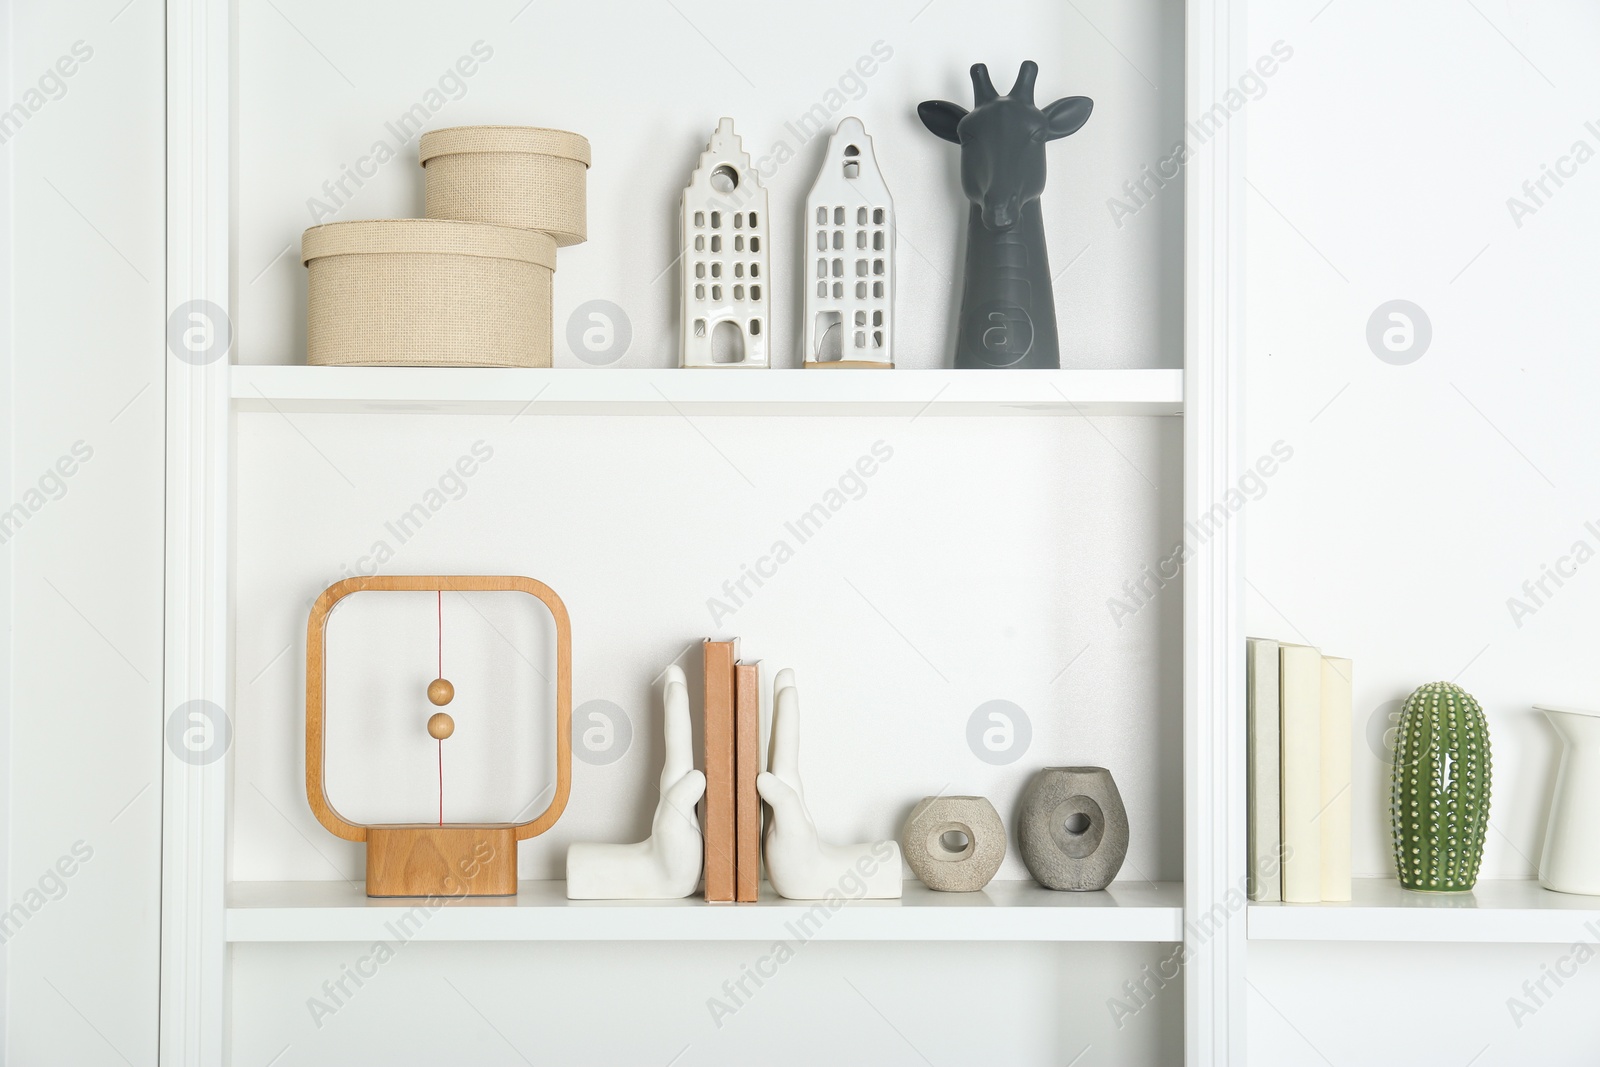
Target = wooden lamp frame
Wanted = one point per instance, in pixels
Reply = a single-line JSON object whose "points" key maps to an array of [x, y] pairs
{"points": [[424, 859]]}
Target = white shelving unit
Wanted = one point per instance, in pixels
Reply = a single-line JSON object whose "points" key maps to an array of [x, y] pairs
{"points": [[1513, 912], [1004, 911], [458, 391], [205, 914]]}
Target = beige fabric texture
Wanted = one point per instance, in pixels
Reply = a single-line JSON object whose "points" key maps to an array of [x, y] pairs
{"points": [[517, 176], [422, 292]]}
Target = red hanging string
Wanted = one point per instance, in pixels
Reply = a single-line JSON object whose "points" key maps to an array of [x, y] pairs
{"points": [[440, 594]]}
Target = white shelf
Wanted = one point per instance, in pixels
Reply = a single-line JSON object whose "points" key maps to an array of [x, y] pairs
{"points": [[1004, 911], [1495, 911], [470, 390]]}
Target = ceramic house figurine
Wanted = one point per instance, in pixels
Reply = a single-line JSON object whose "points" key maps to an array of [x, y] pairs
{"points": [[849, 283], [725, 319]]}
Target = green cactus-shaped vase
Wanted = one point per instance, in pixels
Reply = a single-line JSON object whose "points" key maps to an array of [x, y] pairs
{"points": [[1439, 803]]}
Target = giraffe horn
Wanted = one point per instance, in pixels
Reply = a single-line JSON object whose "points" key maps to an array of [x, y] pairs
{"points": [[1023, 90], [983, 90]]}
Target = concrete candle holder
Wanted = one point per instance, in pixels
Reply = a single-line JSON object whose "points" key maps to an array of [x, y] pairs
{"points": [[954, 844], [1072, 828]]}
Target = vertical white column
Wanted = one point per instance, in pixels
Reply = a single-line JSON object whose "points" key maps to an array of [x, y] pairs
{"points": [[193, 957], [1214, 736], [7, 481]]}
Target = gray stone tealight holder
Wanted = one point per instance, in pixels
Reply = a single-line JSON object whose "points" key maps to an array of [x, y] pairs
{"points": [[1072, 828], [939, 823]]}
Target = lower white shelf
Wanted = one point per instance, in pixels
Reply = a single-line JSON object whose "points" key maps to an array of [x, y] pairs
{"points": [[1494, 912], [1004, 911]]}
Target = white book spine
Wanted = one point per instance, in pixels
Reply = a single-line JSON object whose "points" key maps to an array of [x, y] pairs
{"points": [[1300, 691], [1263, 796], [1335, 818]]}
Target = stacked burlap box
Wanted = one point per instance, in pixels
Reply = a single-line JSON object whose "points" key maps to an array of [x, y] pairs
{"points": [[470, 284]]}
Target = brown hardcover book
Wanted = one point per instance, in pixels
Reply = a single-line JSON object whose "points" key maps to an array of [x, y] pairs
{"points": [[718, 709], [747, 764]]}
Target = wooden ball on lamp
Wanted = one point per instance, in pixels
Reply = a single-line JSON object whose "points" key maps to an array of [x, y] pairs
{"points": [[441, 692], [441, 725]]}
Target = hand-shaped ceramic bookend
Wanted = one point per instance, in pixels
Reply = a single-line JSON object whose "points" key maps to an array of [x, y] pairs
{"points": [[1008, 312], [665, 865], [799, 866]]}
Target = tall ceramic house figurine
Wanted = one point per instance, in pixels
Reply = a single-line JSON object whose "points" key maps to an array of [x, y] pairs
{"points": [[725, 320], [1008, 315], [849, 286]]}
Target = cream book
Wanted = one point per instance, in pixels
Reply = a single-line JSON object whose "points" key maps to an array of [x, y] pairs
{"points": [[1300, 726], [1334, 820], [1262, 794]]}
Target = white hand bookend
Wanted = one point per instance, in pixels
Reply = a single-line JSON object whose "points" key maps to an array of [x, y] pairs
{"points": [[800, 866], [666, 865]]}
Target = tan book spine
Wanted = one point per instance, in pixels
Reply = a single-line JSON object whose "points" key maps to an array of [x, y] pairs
{"points": [[718, 733], [747, 764]]}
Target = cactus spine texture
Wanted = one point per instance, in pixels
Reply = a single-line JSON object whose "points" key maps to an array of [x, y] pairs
{"points": [[1439, 802]]}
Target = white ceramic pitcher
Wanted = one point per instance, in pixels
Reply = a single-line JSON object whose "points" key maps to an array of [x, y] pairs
{"points": [[1571, 859]]}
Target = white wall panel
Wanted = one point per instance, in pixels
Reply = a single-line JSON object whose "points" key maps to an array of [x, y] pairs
{"points": [[86, 397], [1422, 496]]}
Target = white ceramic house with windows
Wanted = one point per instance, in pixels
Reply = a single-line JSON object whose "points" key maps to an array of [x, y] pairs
{"points": [[849, 280], [726, 299]]}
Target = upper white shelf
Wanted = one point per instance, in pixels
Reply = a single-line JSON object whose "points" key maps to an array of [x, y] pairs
{"points": [[455, 390], [1495, 911], [1004, 911]]}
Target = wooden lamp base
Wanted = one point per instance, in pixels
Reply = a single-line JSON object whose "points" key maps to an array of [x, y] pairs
{"points": [[441, 861]]}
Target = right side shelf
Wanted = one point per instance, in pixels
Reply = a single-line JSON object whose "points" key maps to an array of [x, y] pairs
{"points": [[1379, 910]]}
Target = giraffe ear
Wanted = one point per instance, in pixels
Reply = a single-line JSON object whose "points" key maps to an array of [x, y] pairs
{"points": [[941, 117], [1066, 116]]}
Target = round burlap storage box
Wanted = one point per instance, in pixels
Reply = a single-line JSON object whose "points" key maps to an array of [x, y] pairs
{"points": [[521, 176], [427, 293]]}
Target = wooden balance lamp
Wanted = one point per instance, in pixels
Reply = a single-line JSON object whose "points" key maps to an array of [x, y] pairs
{"points": [[442, 859]]}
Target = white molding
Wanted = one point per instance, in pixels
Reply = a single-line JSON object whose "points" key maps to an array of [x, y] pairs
{"points": [[8, 584], [1213, 660], [194, 798]]}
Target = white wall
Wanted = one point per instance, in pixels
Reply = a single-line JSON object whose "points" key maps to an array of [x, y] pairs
{"points": [[84, 570], [1421, 496]]}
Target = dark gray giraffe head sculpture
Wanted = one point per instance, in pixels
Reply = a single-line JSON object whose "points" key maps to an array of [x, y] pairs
{"points": [[1008, 316]]}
